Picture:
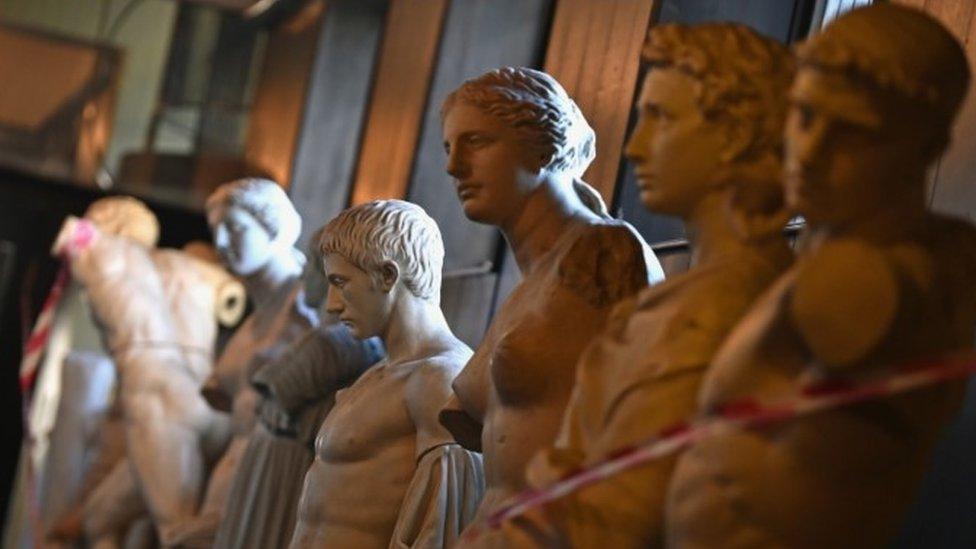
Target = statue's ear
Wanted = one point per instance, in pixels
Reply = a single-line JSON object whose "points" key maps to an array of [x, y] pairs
{"points": [[389, 275]]}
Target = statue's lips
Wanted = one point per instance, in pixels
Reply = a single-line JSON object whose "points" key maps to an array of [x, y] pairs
{"points": [[467, 190], [645, 180]]}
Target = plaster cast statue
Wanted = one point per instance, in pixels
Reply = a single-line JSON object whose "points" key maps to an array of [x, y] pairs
{"points": [[517, 146], [386, 473], [254, 229], [882, 284], [110, 505], [158, 315], [706, 149], [74, 388]]}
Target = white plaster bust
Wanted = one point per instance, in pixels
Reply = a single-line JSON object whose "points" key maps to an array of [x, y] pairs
{"points": [[386, 473], [254, 227]]}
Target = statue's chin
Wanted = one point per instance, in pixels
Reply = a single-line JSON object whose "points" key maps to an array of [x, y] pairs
{"points": [[477, 214]]}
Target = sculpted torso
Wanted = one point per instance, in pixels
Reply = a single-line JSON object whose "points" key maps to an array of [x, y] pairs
{"points": [[265, 332], [750, 486], [261, 337], [520, 378], [366, 453]]}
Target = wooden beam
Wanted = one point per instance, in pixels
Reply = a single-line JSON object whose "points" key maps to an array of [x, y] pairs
{"points": [[335, 110], [279, 102], [594, 52], [399, 98]]}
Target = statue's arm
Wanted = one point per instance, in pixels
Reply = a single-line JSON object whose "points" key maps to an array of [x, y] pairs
{"points": [[323, 361], [844, 302], [448, 482]]}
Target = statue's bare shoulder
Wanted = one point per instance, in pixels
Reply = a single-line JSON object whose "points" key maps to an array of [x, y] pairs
{"points": [[428, 388], [607, 262]]}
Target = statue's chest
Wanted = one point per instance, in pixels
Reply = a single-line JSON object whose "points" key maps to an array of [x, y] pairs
{"points": [[531, 350], [369, 413]]}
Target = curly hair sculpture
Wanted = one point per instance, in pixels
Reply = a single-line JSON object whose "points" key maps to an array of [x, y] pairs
{"points": [[744, 76], [265, 200], [373, 233]]}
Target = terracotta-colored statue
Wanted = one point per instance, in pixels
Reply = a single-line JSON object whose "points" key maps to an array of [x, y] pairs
{"points": [[883, 284], [517, 146], [254, 227], [158, 314], [386, 473], [706, 149]]}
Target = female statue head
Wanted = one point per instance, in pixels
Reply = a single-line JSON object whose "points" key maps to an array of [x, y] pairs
{"points": [[252, 220], [375, 250], [505, 128]]}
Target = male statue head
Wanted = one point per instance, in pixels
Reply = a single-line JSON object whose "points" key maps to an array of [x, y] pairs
{"points": [[871, 108], [711, 114], [253, 221], [380, 257]]}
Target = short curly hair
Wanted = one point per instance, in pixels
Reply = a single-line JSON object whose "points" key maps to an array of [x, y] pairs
{"points": [[126, 217], [373, 233], [265, 200], [896, 50], [745, 77]]}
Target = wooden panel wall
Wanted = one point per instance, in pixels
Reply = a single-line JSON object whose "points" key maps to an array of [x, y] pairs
{"points": [[398, 100], [335, 110], [594, 52], [276, 114]]}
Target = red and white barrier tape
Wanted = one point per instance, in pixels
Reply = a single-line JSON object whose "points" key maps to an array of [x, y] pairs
{"points": [[82, 235], [41, 332], [743, 413]]}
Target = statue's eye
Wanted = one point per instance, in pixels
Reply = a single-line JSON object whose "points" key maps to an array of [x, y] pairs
{"points": [[477, 140]]}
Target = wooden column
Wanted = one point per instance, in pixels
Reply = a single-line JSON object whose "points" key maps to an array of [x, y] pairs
{"points": [[398, 100], [594, 52], [335, 110], [276, 114]]}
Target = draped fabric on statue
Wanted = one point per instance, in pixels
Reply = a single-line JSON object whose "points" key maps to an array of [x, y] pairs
{"points": [[442, 498], [298, 389], [263, 504]]}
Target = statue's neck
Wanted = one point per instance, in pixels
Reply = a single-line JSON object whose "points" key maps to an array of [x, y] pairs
{"points": [[279, 271], [547, 215], [887, 221], [414, 328], [710, 234]]}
